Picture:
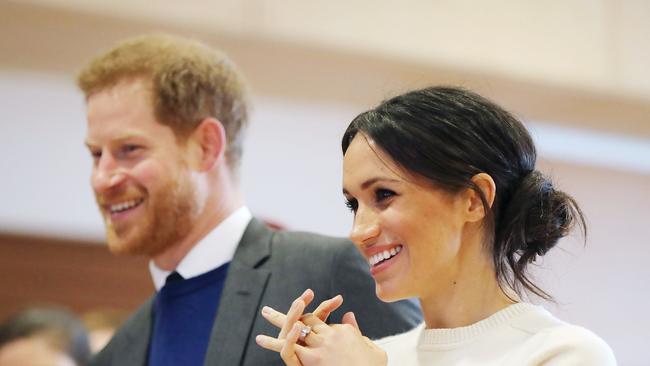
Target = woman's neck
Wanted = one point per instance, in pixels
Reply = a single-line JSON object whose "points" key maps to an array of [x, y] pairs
{"points": [[470, 296]]}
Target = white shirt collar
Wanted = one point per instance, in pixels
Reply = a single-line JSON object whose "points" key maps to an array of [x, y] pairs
{"points": [[214, 250]]}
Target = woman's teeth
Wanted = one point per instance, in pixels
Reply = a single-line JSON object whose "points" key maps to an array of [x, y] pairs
{"points": [[382, 256]]}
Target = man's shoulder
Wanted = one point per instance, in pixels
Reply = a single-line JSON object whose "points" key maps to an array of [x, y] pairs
{"points": [[320, 250], [259, 242], [312, 240], [132, 335], [142, 315]]}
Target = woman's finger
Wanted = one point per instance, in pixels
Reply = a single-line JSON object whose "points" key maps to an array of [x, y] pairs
{"points": [[325, 308], [307, 296], [278, 318], [273, 316], [294, 313], [306, 355], [313, 340], [288, 350], [317, 325], [349, 318], [269, 343]]}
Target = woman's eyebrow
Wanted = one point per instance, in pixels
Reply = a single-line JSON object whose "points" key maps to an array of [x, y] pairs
{"points": [[372, 181]]}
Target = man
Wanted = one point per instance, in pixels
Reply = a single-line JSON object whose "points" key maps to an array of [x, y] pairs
{"points": [[43, 337], [165, 123]]}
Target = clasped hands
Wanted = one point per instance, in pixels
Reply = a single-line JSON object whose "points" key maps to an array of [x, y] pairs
{"points": [[306, 339]]}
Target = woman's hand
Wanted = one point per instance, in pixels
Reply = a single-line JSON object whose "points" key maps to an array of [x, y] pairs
{"points": [[291, 319], [339, 344]]}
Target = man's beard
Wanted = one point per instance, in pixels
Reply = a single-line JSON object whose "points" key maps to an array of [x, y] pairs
{"points": [[170, 214]]}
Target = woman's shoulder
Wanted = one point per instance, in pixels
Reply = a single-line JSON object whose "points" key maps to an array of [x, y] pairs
{"points": [[563, 343], [410, 337], [571, 344]]}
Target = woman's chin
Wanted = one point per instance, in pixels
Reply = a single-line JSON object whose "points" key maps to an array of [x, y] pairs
{"points": [[388, 294]]}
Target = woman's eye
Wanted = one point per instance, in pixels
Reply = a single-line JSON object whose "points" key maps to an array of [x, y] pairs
{"points": [[96, 154], [382, 195], [351, 204]]}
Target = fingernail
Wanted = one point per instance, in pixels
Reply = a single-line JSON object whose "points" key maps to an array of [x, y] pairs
{"points": [[267, 310], [332, 299], [259, 339]]}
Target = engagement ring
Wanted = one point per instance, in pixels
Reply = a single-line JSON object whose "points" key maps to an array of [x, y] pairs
{"points": [[304, 332]]}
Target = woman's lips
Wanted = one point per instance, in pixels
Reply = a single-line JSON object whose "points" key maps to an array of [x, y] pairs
{"points": [[382, 259]]}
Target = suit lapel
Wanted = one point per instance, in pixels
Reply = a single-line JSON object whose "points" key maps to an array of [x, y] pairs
{"points": [[240, 298], [134, 349]]}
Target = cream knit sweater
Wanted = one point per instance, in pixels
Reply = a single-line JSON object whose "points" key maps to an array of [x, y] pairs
{"points": [[521, 334]]}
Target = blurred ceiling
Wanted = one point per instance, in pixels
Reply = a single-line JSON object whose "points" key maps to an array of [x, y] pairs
{"points": [[582, 62]]}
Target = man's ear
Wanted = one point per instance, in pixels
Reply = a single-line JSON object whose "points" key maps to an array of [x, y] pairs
{"points": [[475, 208], [208, 144]]}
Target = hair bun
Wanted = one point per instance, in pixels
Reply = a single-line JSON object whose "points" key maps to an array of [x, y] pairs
{"points": [[536, 217]]}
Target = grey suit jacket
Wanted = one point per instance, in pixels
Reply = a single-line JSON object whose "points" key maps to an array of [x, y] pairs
{"points": [[273, 268]]}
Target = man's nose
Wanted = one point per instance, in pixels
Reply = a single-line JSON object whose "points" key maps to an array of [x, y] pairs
{"points": [[106, 174]]}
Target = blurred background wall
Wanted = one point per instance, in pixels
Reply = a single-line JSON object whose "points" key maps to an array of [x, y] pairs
{"points": [[576, 71]]}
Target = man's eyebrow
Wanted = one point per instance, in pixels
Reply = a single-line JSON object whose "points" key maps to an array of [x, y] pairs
{"points": [[123, 137]]}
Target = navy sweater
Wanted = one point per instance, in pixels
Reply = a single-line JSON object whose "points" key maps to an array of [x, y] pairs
{"points": [[184, 313]]}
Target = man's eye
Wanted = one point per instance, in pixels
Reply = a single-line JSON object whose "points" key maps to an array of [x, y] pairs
{"points": [[351, 204], [130, 149], [96, 154]]}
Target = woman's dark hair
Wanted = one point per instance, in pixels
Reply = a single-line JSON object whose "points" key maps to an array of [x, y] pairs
{"points": [[447, 135]]}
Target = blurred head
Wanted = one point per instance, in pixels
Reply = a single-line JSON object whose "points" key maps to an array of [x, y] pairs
{"points": [[163, 112], [432, 171], [102, 325], [43, 337]]}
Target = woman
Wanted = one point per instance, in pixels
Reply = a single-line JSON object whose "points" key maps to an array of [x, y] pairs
{"points": [[448, 208]]}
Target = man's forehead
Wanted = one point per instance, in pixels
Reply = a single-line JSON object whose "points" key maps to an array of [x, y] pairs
{"points": [[135, 83], [119, 110]]}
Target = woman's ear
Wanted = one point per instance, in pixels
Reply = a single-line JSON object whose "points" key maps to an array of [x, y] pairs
{"points": [[475, 207], [208, 144]]}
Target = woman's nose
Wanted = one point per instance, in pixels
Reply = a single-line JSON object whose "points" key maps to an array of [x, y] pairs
{"points": [[365, 228]]}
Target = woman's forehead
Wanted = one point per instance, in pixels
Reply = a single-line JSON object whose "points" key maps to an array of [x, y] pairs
{"points": [[365, 162]]}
